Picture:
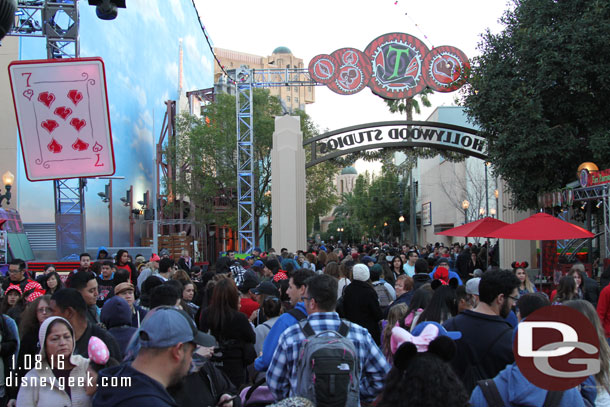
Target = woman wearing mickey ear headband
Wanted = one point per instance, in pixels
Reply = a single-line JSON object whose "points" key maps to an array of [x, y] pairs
{"points": [[525, 285], [422, 375]]}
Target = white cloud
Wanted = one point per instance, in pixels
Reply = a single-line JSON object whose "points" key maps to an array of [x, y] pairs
{"points": [[171, 70], [206, 65], [177, 8], [191, 48], [148, 11], [142, 135], [137, 91]]}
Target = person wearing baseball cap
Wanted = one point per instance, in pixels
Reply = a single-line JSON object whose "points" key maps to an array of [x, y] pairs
{"points": [[168, 337]]}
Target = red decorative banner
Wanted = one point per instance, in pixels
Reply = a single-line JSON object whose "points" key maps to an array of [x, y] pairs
{"points": [[394, 66]]}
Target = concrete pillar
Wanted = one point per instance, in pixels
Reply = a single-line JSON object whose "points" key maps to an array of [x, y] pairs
{"points": [[288, 209], [9, 51], [513, 250]]}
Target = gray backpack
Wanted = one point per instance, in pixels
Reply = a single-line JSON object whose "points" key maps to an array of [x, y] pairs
{"points": [[382, 293], [328, 369]]}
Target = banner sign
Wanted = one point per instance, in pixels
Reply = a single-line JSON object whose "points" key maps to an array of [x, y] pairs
{"points": [[593, 178], [394, 66], [426, 214], [395, 134], [62, 116]]}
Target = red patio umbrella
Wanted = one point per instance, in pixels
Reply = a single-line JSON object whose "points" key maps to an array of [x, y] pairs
{"points": [[480, 228], [541, 226]]}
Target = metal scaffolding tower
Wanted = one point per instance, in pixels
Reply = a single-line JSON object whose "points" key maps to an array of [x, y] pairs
{"points": [[58, 22], [245, 80]]}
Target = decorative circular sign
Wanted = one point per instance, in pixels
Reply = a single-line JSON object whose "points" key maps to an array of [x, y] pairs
{"points": [[323, 68], [446, 68], [584, 178], [397, 63], [556, 348], [353, 72]]}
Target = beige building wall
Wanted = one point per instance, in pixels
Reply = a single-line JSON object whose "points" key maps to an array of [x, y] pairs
{"points": [[9, 51], [294, 97], [439, 185]]}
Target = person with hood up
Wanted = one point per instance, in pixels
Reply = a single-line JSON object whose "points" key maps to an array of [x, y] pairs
{"points": [[59, 365], [102, 253], [361, 303], [116, 315]]}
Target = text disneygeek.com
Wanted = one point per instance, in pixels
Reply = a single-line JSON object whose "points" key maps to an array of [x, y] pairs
{"points": [[61, 382]]}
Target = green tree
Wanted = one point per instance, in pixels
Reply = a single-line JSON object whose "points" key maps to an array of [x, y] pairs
{"points": [[539, 93], [206, 158]]}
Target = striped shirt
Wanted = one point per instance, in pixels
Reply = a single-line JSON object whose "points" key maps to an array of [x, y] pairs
{"points": [[282, 372]]}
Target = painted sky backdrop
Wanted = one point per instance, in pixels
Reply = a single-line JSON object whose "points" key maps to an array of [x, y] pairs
{"points": [[140, 49]]}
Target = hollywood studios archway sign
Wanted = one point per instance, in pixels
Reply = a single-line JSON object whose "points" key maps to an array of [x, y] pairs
{"points": [[393, 66]]}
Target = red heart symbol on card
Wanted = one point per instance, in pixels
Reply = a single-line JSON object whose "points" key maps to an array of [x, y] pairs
{"points": [[97, 147], [49, 125], [28, 94], [63, 112], [54, 147], [80, 145], [46, 98], [75, 96], [78, 123]]}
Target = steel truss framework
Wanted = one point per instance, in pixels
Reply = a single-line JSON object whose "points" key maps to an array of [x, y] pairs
{"points": [[245, 80], [598, 193], [58, 22]]}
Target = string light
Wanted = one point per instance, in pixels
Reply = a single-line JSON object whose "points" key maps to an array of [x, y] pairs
{"points": [[418, 27], [222, 67]]}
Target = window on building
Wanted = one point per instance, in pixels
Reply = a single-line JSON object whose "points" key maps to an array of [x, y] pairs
{"points": [[288, 98], [296, 100]]}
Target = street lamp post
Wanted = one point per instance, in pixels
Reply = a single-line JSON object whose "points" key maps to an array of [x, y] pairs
{"points": [[128, 201], [107, 198], [465, 205], [340, 231], [401, 219], [7, 178], [487, 164]]}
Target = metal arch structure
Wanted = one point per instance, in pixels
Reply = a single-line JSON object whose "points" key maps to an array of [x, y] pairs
{"points": [[245, 80], [58, 22]]}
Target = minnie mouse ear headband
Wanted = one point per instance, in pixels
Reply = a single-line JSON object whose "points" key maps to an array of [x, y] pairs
{"points": [[423, 334], [13, 287], [517, 265]]}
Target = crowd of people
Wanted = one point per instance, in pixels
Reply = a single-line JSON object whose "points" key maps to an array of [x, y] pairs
{"points": [[373, 324]]}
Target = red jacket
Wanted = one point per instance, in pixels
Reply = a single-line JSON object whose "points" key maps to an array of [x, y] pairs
{"points": [[603, 309]]}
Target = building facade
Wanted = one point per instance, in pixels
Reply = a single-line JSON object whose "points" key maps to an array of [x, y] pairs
{"points": [[291, 97]]}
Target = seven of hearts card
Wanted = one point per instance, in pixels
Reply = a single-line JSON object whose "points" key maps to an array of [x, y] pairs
{"points": [[62, 115]]}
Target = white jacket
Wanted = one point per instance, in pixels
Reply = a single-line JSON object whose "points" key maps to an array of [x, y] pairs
{"points": [[38, 393], [47, 396]]}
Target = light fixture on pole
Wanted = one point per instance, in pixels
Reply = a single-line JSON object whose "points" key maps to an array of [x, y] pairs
{"points": [[7, 178], [107, 198], [482, 212], [401, 219], [492, 212], [465, 206], [128, 201]]}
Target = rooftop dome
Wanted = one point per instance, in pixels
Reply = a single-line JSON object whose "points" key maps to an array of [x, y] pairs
{"points": [[282, 50], [349, 170]]}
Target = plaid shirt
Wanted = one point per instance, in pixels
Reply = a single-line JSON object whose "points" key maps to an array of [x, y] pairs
{"points": [[282, 372]]}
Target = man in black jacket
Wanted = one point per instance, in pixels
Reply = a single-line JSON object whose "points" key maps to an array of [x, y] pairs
{"points": [[421, 276], [486, 344]]}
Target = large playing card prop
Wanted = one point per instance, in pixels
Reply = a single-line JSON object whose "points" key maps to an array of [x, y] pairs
{"points": [[62, 115]]}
